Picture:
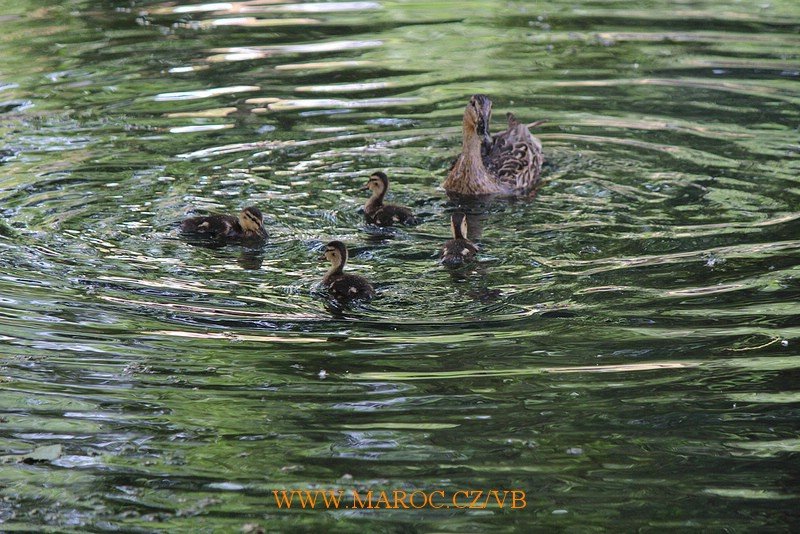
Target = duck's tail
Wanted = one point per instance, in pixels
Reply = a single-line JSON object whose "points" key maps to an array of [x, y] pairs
{"points": [[513, 121], [452, 260]]}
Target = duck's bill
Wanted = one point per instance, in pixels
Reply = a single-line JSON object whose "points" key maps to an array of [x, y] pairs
{"points": [[483, 126]]}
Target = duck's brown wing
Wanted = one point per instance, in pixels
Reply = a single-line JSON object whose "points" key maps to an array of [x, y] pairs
{"points": [[390, 215], [515, 157], [351, 287], [458, 251], [213, 226]]}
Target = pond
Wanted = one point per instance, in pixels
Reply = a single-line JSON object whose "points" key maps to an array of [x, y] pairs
{"points": [[624, 352]]}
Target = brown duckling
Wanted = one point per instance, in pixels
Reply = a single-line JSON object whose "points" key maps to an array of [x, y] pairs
{"points": [[459, 250], [248, 225], [344, 286], [380, 214], [506, 164]]}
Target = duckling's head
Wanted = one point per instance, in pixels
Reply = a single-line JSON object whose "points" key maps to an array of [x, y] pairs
{"points": [[458, 225], [336, 253], [252, 220], [378, 183], [478, 115]]}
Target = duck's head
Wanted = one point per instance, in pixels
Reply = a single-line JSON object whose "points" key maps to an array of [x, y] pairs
{"points": [[252, 220], [478, 114], [336, 253], [378, 183], [458, 225]]}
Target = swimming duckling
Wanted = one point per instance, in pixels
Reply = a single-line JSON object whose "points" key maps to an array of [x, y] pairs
{"points": [[344, 286], [506, 164], [249, 225], [458, 250], [380, 214]]}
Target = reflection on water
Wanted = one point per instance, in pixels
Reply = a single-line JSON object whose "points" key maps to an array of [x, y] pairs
{"points": [[624, 350]]}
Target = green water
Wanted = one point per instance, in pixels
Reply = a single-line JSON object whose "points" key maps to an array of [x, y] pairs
{"points": [[625, 352]]}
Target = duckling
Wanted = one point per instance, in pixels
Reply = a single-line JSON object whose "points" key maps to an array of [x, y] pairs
{"points": [[380, 214], [249, 225], [458, 250], [506, 164], [342, 286]]}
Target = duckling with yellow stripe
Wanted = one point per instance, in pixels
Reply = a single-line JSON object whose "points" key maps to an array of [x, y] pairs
{"points": [[380, 214], [341, 286], [460, 249], [248, 225]]}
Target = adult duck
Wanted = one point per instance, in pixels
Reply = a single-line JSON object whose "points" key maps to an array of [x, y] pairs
{"points": [[506, 164]]}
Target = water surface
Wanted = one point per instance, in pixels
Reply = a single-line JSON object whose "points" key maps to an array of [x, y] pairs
{"points": [[625, 351]]}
